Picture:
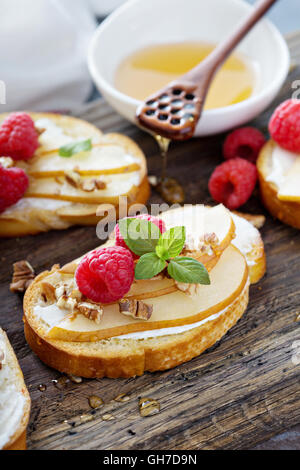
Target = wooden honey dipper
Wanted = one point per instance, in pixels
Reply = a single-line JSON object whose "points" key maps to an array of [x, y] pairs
{"points": [[174, 111]]}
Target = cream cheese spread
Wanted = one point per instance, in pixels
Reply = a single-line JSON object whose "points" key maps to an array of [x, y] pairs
{"points": [[282, 160], [12, 402]]}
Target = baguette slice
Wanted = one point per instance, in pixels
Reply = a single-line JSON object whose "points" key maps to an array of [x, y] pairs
{"points": [[14, 400], [52, 202], [143, 350], [286, 211]]}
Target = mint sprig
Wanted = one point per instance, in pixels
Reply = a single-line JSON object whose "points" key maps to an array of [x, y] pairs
{"points": [[141, 236], [160, 251], [71, 149], [148, 266], [171, 243]]}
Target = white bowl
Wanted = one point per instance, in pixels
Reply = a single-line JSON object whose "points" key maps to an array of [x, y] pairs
{"points": [[140, 23]]}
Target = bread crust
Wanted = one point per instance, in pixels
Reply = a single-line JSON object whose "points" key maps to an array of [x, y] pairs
{"points": [[128, 358], [286, 211], [10, 227], [18, 440], [18, 444]]}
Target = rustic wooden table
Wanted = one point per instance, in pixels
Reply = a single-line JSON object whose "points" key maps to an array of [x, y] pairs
{"points": [[237, 395]]}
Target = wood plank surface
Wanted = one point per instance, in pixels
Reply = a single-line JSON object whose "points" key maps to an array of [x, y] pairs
{"points": [[238, 394]]}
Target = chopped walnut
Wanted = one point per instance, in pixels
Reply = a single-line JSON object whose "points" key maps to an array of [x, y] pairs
{"points": [[59, 179], [48, 292], [40, 130], [100, 184], [136, 309], [23, 276], [211, 239], [203, 244], [92, 184], [91, 311], [189, 289], [73, 178], [67, 303], [6, 162], [76, 294], [158, 277], [60, 291]]}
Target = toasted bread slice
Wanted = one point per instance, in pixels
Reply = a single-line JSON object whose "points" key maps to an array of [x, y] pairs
{"points": [[286, 211], [31, 216], [179, 329], [15, 400], [125, 356], [114, 167]]}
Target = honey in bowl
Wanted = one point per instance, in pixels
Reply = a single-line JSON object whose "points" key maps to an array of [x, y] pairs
{"points": [[149, 69]]}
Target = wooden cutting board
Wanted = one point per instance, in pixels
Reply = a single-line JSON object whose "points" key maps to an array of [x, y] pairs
{"points": [[238, 394]]}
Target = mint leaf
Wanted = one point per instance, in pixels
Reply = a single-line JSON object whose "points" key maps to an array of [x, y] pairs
{"points": [[171, 243], [71, 149], [141, 236], [148, 266], [188, 270]]}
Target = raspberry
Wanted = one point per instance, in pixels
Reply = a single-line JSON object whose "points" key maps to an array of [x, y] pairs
{"points": [[233, 182], [245, 142], [18, 137], [284, 125], [155, 220], [13, 184], [105, 275]]}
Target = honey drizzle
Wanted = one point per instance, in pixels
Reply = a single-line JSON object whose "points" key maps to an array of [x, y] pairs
{"points": [[169, 188]]}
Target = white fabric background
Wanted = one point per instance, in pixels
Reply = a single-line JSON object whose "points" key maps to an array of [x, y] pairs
{"points": [[43, 46], [43, 49]]}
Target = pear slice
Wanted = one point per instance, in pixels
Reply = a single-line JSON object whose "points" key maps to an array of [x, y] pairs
{"points": [[228, 279], [58, 130], [115, 153], [61, 188], [198, 220], [289, 189]]}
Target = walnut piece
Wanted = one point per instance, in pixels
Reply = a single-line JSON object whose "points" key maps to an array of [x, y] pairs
{"points": [[75, 379], [48, 292], [2, 357], [23, 275], [92, 184], [256, 220], [189, 289], [91, 311], [76, 294], [204, 244], [211, 239], [73, 178], [135, 308]]}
